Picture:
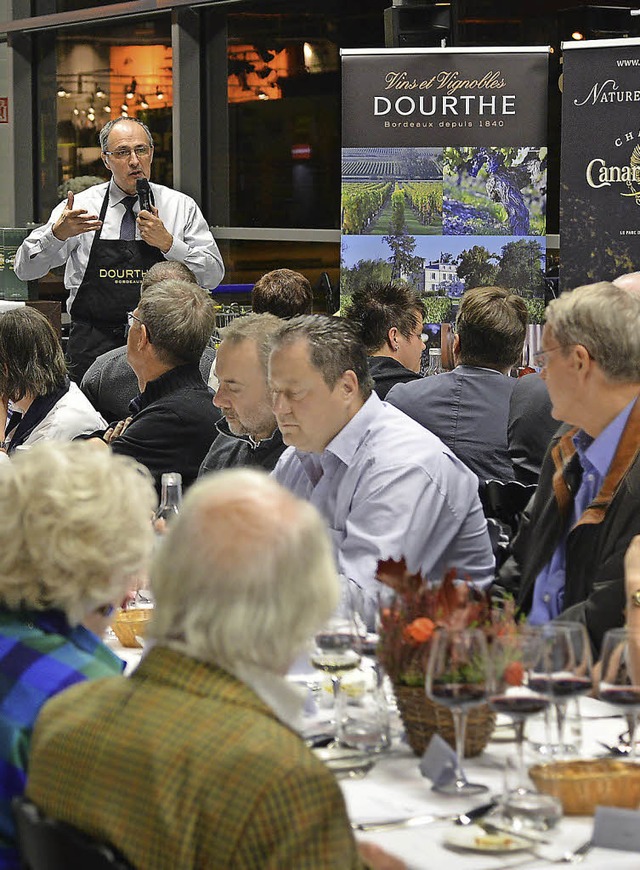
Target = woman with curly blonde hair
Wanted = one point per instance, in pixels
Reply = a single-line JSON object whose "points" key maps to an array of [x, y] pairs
{"points": [[76, 530]]}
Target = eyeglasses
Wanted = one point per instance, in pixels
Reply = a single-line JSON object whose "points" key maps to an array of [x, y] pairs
{"points": [[125, 153], [130, 318], [540, 357]]}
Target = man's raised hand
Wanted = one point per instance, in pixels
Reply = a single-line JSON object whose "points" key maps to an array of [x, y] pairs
{"points": [[74, 222]]}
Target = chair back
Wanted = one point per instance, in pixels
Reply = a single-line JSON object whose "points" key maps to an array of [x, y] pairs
{"points": [[505, 500], [47, 844]]}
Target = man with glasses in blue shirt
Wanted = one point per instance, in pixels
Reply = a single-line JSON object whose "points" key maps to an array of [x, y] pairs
{"points": [[108, 243], [568, 556]]}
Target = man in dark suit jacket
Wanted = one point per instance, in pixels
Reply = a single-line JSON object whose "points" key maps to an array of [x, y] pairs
{"points": [[468, 407]]}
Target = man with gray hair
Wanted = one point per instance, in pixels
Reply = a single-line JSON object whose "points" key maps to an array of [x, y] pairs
{"points": [[567, 558], [109, 235], [242, 580], [110, 383], [387, 487], [247, 433], [173, 419]]}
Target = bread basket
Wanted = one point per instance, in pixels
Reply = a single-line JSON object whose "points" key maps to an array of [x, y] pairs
{"points": [[581, 785], [131, 623]]}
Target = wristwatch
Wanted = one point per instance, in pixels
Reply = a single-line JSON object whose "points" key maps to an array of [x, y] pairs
{"points": [[635, 598]]}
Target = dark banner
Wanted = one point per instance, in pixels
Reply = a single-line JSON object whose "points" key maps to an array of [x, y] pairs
{"points": [[444, 166], [600, 163]]}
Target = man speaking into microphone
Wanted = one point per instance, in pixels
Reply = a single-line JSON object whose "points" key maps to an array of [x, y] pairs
{"points": [[109, 235]]}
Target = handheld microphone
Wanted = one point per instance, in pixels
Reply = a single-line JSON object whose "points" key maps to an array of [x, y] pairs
{"points": [[144, 194]]}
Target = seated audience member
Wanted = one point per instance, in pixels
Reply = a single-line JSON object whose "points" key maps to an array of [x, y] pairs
{"points": [[531, 427], [282, 292], [33, 379], [241, 581], [387, 487], [174, 420], [247, 433], [468, 408], [75, 530], [110, 383], [567, 559], [389, 320]]}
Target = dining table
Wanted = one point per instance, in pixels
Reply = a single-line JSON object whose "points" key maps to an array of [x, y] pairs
{"points": [[395, 789]]}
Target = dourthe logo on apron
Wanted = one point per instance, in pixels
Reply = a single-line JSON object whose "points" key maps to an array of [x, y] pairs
{"points": [[123, 276]]}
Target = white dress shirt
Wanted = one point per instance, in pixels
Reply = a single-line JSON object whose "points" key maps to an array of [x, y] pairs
{"points": [[389, 488], [193, 243]]}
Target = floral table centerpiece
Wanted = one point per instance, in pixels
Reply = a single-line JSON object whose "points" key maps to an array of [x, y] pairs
{"points": [[408, 618]]}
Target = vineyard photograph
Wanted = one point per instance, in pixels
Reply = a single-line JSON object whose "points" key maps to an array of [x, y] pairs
{"points": [[391, 191], [494, 191]]}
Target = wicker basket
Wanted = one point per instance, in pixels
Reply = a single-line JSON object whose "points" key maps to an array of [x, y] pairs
{"points": [[130, 624], [581, 786], [422, 719]]}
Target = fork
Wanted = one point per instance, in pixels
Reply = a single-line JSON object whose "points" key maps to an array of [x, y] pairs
{"points": [[574, 857]]}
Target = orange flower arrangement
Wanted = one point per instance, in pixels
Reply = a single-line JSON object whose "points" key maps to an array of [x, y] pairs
{"points": [[418, 609]]}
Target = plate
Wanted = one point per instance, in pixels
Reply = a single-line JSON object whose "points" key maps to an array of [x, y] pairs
{"points": [[345, 762], [475, 839]]}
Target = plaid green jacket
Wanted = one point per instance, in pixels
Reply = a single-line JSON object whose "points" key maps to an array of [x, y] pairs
{"points": [[182, 766]]}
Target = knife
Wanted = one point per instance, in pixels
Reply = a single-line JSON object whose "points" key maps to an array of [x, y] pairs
{"points": [[490, 828], [412, 821]]}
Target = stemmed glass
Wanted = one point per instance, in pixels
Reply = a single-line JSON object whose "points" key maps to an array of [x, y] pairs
{"points": [[514, 658], [567, 663], [457, 675], [335, 651], [620, 676], [515, 689]]}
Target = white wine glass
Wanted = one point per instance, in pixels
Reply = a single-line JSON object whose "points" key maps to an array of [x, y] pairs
{"points": [[335, 652], [457, 677]]}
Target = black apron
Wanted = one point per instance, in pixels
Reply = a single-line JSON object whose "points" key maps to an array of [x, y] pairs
{"points": [[110, 288]]}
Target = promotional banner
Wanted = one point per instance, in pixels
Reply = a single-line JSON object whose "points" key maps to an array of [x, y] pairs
{"points": [[600, 161], [444, 172]]}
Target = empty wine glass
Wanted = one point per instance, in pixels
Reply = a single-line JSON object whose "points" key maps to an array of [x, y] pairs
{"points": [[335, 651], [620, 676], [457, 674]]}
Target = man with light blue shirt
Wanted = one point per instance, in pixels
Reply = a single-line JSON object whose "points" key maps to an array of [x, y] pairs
{"points": [[387, 487], [568, 556]]}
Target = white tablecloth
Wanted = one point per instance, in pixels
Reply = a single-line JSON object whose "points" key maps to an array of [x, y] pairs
{"points": [[394, 788]]}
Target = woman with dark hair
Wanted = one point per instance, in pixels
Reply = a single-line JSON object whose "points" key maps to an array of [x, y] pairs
{"points": [[34, 384]]}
